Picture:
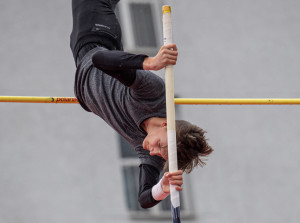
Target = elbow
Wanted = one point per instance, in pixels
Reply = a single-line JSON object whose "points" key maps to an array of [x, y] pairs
{"points": [[95, 60], [98, 60], [147, 202], [145, 205]]}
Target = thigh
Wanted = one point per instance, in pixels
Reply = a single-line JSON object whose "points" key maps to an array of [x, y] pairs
{"points": [[95, 21]]}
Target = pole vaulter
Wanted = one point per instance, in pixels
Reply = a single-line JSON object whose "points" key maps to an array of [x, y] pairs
{"points": [[148, 125]]}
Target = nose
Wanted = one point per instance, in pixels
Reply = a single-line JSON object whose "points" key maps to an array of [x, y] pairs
{"points": [[153, 152]]}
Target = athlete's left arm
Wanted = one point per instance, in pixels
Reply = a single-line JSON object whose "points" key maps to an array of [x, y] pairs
{"points": [[149, 177], [167, 55], [119, 65]]}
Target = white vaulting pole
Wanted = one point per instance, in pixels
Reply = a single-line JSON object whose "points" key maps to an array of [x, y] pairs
{"points": [[170, 106]]}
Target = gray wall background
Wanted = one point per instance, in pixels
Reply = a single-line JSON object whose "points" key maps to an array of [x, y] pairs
{"points": [[61, 164]]}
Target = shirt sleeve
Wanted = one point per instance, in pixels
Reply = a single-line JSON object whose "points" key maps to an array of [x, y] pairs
{"points": [[149, 176], [118, 60], [118, 64]]}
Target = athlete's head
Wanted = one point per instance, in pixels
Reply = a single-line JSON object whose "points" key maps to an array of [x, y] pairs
{"points": [[192, 146]]}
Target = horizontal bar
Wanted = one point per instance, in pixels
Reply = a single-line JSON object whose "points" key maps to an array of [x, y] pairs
{"points": [[32, 99], [238, 101], [181, 101]]}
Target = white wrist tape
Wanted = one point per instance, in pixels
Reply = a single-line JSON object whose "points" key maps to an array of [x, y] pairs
{"points": [[157, 192]]}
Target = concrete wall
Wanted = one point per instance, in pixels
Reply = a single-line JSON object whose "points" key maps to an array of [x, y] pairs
{"points": [[61, 164]]}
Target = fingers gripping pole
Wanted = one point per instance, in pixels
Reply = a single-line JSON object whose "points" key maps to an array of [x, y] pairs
{"points": [[170, 106]]}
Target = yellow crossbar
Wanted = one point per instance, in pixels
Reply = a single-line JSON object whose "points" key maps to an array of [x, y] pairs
{"points": [[181, 101], [238, 101], [31, 99]]}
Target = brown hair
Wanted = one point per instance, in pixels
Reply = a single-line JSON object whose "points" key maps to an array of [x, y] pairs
{"points": [[192, 146]]}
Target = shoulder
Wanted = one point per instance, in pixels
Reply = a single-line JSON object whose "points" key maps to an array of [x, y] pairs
{"points": [[148, 84]]}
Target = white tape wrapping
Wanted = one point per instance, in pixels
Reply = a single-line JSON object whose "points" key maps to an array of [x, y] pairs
{"points": [[175, 201], [172, 156], [172, 150]]}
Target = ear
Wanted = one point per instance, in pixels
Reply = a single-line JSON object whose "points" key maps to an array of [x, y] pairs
{"points": [[164, 123]]}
